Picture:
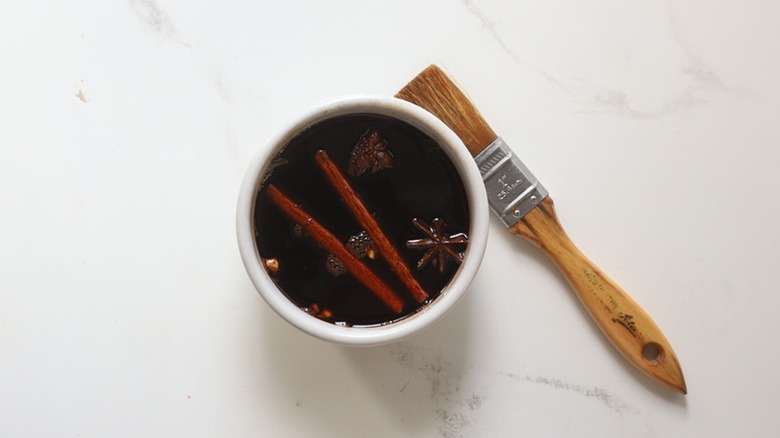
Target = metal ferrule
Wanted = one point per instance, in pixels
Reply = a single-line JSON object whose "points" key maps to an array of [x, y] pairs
{"points": [[512, 189]]}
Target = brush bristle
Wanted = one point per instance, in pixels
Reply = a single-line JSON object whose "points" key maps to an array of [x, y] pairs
{"points": [[434, 91]]}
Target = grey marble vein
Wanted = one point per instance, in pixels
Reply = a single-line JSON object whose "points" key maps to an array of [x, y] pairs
{"points": [[609, 399], [157, 19], [490, 25], [703, 79]]}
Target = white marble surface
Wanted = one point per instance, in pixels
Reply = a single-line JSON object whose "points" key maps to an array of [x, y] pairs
{"points": [[126, 127]]}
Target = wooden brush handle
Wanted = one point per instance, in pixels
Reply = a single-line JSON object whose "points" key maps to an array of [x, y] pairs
{"points": [[619, 317]]}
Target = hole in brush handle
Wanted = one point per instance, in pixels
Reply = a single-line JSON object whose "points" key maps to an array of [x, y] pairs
{"points": [[653, 353]]}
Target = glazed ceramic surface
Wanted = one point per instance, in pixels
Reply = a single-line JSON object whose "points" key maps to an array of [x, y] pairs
{"points": [[454, 291]]}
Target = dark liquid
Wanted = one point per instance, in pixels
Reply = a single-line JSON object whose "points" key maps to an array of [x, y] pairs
{"points": [[422, 183]]}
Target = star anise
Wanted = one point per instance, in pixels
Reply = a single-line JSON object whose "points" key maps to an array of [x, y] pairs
{"points": [[437, 244], [369, 153]]}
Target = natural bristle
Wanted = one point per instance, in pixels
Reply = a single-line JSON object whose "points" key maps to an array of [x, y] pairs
{"points": [[436, 92]]}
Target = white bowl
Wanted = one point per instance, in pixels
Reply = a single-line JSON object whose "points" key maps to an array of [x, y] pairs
{"points": [[453, 292]]}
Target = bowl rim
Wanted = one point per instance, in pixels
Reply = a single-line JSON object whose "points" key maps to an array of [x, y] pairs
{"points": [[452, 293]]}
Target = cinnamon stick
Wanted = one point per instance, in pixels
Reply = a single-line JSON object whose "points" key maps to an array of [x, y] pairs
{"points": [[367, 221], [332, 244]]}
